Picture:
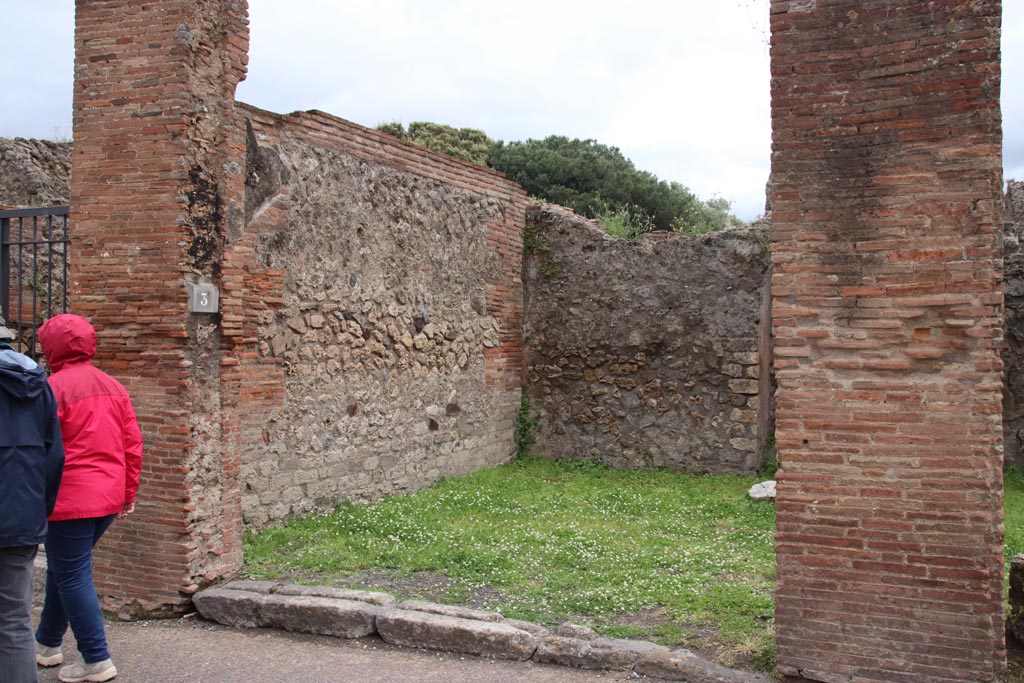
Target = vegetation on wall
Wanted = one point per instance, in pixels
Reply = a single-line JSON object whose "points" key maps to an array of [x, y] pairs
{"points": [[592, 179], [468, 144]]}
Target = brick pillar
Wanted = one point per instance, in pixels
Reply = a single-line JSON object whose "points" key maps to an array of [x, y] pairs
{"points": [[887, 315], [155, 184]]}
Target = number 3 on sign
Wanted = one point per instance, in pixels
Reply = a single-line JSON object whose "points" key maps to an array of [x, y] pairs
{"points": [[204, 299]]}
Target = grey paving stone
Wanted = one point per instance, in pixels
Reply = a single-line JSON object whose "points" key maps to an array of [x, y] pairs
{"points": [[410, 628], [319, 616], [230, 607], [372, 597]]}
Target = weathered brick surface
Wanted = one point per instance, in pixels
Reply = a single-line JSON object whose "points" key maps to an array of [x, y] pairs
{"points": [[373, 307], [647, 354], [887, 319], [153, 101]]}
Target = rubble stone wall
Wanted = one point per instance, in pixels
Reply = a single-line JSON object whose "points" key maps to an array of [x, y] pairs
{"points": [[1013, 328], [34, 173], [646, 354], [394, 320]]}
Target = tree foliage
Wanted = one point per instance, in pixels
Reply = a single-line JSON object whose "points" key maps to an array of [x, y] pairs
{"points": [[593, 179], [468, 144]]}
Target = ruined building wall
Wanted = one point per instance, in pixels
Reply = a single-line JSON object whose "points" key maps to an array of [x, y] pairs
{"points": [[1013, 352], [152, 198], [646, 354], [887, 316], [34, 173], [384, 298]]}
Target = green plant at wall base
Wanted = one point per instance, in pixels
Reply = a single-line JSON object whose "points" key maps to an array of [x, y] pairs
{"points": [[770, 465], [1013, 505], [527, 424]]}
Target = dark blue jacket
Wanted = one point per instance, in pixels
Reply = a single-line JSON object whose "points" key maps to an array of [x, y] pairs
{"points": [[31, 450]]}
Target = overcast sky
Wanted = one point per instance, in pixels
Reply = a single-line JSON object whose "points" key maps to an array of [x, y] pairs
{"points": [[680, 86]]}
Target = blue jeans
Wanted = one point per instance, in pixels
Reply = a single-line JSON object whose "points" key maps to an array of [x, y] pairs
{"points": [[17, 651], [70, 593]]}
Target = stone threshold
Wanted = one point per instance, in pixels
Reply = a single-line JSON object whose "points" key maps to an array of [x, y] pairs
{"points": [[344, 613]]}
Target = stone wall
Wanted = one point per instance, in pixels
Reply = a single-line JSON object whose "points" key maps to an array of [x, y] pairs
{"points": [[393, 321], [887, 316], [34, 173], [646, 354], [1013, 352]]}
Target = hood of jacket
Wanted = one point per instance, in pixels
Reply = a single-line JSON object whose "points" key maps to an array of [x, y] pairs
{"points": [[67, 338], [20, 376]]}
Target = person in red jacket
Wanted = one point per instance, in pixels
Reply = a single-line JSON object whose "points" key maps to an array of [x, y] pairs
{"points": [[102, 461]]}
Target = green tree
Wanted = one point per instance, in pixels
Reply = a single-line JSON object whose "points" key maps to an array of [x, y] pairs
{"points": [[594, 179], [468, 144]]}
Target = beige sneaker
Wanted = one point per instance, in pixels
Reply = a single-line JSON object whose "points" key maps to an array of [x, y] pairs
{"points": [[94, 673], [48, 656]]}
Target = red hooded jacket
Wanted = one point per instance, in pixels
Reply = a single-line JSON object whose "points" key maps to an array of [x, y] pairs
{"points": [[102, 442]]}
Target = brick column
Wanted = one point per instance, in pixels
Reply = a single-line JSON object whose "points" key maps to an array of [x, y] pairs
{"points": [[155, 185], [887, 315]]}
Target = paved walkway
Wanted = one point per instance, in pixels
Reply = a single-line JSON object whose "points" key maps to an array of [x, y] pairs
{"points": [[195, 651]]}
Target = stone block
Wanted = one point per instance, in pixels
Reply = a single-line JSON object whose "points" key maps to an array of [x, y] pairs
{"points": [[372, 597], [264, 587], [609, 654], [319, 616], [747, 387], [230, 607], [450, 610], [409, 628], [528, 626], [562, 650], [683, 665]]}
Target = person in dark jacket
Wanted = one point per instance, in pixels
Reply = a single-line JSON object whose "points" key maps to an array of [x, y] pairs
{"points": [[31, 463], [103, 447]]}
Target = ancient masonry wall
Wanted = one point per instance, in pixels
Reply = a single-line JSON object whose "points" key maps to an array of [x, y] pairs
{"points": [[1013, 351], [34, 173], [887, 314], [646, 354], [151, 192], [375, 302], [37, 172]]}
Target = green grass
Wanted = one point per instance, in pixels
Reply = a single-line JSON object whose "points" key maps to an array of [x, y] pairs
{"points": [[674, 558]]}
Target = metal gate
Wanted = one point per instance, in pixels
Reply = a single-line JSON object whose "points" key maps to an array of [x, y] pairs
{"points": [[33, 270]]}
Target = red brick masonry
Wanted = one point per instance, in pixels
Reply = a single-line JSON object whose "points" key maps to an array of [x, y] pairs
{"points": [[887, 315]]}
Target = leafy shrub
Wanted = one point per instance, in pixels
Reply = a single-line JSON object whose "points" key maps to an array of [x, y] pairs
{"points": [[468, 144], [711, 216], [628, 223]]}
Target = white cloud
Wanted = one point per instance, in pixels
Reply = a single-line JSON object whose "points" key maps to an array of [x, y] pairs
{"points": [[680, 87]]}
